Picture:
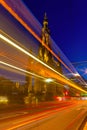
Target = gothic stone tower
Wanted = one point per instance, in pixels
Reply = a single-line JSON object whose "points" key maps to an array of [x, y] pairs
{"points": [[40, 86], [44, 54]]}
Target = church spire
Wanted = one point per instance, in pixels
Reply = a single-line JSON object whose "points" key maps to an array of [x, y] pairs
{"points": [[45, 23], [44, 54], [45, 17]]}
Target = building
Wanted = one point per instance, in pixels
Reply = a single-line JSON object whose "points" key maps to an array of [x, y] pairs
{"points": [[39, 88]]}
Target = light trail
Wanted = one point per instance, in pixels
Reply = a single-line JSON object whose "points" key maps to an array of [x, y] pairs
{"points": [[27, 72], [78, 63], [9, 9], [1, 1], [36, 27], [80, 115], [27, 53], [22, 70], [33, 33], [62, 78], [41, 116]]}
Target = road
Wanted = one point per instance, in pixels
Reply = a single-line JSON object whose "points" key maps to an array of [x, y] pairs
{"points": [[67, 116]]}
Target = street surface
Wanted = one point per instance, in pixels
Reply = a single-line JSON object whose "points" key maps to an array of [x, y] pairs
{"points": [[59, 116]]}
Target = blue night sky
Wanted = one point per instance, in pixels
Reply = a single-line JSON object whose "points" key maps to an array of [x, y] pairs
{"points": [[67, 23]]}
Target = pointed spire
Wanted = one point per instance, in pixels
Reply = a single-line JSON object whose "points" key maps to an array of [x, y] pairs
{"points": [[45, 17], [45, 21]]}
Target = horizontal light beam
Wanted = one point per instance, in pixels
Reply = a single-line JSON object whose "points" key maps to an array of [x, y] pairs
{"points": [[13, 13], [27, 53], [20, 69]]}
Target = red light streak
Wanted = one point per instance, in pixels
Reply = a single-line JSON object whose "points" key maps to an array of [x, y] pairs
{"points": [[5, 5], [42, 115], [55, 75], [1, 1], [75, 119]]}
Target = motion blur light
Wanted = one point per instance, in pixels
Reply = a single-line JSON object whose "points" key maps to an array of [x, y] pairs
{"points": [[49, 80], [76, 75], [20, 69], [64, 79], [27, 53]]}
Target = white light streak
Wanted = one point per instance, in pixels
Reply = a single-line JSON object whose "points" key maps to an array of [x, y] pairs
{"points": [[76, 75], [27, 53], [20, 69]]}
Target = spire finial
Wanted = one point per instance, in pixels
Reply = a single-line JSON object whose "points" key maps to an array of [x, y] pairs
{"points": [[45, 16]]}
